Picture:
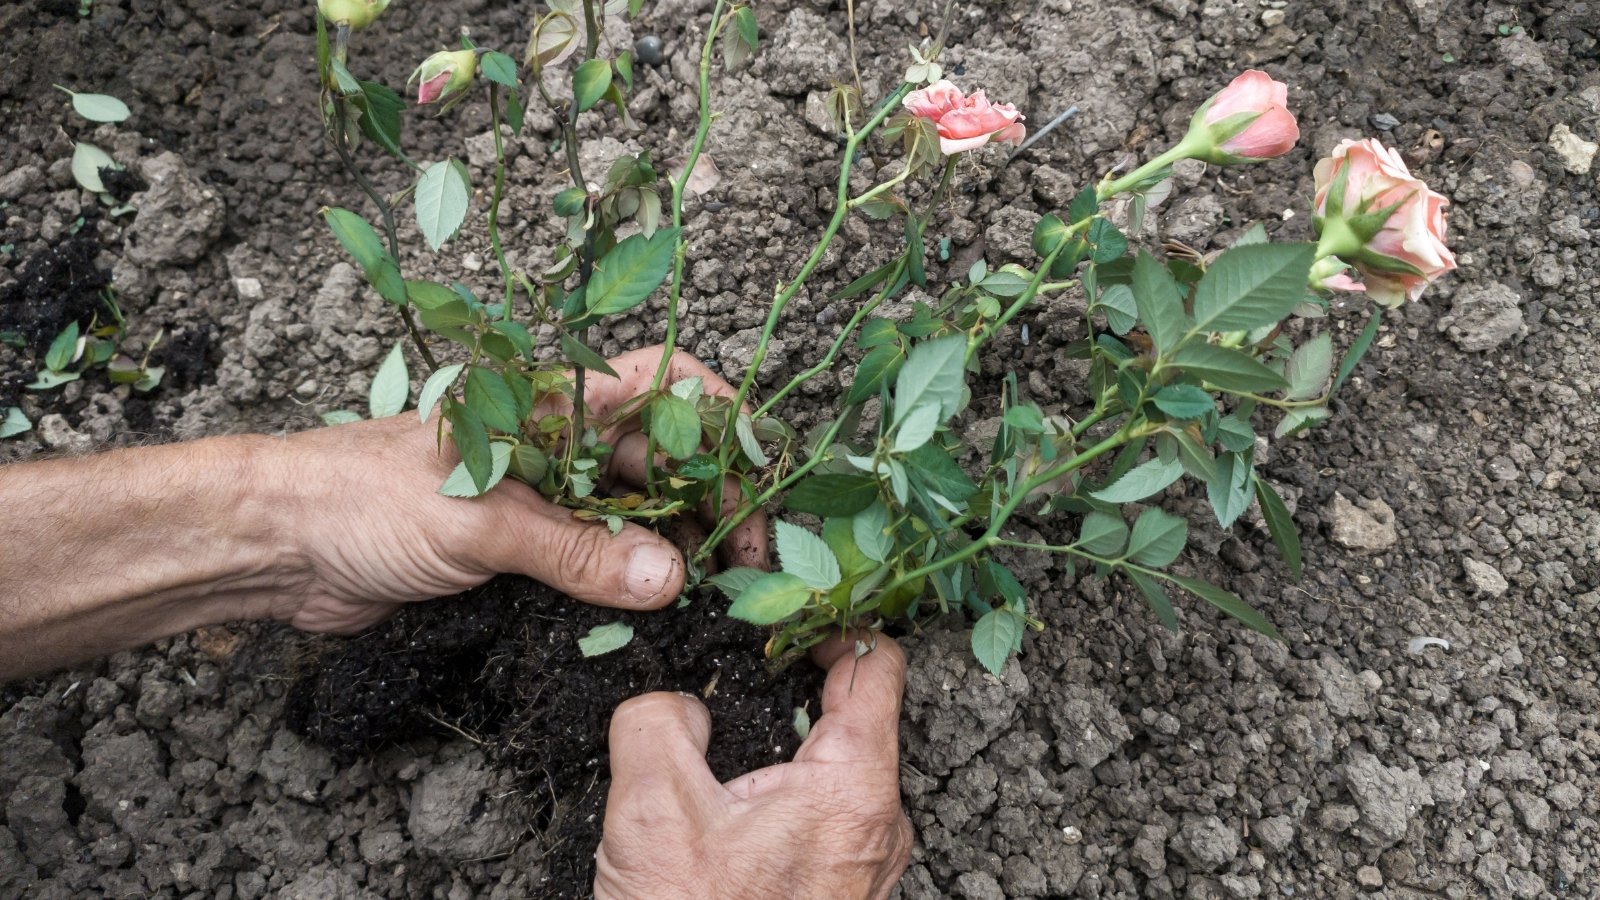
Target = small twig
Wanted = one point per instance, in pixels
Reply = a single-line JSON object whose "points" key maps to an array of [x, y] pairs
{"points": [[1029, 142]]}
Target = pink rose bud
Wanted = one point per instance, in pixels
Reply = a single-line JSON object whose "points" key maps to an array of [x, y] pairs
{"points": [[445, 75], [965, 123], [1374, 215], [1247, 121], [357, 14]]}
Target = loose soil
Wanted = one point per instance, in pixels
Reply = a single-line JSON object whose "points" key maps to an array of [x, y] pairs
{"points": [[1450, 497]]}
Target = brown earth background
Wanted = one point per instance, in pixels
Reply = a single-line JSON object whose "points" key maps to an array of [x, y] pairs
{"points": [[1452, 495]]}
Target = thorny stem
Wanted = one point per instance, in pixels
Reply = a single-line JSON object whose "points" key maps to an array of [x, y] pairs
{"points": [[341, 146], [569, 141], [991, 537], [499, 190], [701, 132], [781, 301]]}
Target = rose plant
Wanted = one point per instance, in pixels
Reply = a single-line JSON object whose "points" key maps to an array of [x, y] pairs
{"points": [[894, 510]]}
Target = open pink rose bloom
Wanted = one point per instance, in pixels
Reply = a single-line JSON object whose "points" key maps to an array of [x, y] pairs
{"points": [[1376, 177], [1273, 132], [963, 122]]}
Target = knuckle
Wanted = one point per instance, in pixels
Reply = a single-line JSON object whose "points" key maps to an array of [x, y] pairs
{"points": [[580, 550]]}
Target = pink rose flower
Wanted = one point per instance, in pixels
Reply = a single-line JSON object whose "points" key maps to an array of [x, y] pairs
{"points": [[965, 123], [1273, 132], [445, 75], [1407, 252]]}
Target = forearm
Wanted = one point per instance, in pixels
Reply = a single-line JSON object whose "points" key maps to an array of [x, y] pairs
{"points": [[108, 552]]}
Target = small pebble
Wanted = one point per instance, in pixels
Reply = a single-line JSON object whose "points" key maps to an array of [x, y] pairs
{"points": [[1384, 122], [649, 50], [1369, 877]]}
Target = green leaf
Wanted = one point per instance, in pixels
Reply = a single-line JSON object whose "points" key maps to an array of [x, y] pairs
{"points": [[14, 423], [1156, 597], [1184, 401], [1121, 311], [46, 380], [744, 18], [625, 68], [380, 116], [1150, 477], [361, 242], [934, 373], [443, 192], [461, 483], [63, 349], [1234, 433], [675, 425], [340, 417], [1229, 491], [1157, 538], [1309, 368], [770, 598], [603, 639], [878, 366], [1228, 369], [733, 582], [100, 107], [590, 82], [1297, 420], [939, 473], [1228, 603], [528, 464], [343, 82], [996, 636], [1103, 534], [390, 387], [1280, 525], [744, 431], [876, 333], [491, 398], [916, 428], [580, 355], [1160, 302], [870, 528], [806, 556], [630, 273], [1358, 349], [570, 201], [87, 161], [1251, 286], [498, 68], [472, 442], [1048, 234], [1025, 418], [832, 495], [1109, 243]]}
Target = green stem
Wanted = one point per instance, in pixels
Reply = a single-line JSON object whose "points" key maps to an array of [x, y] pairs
{"points": [[569, 140], [341, 146], [499, 190], [1110, 188], [701, 133], [783, 297], [991, 537], [1023, 299]]}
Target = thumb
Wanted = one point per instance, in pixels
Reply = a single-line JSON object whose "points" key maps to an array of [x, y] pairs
{"points": [[658, 753], [633, 569]]}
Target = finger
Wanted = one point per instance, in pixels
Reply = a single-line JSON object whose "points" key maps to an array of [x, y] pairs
{"points": [[746, 545], [636, 371], [633, 569], [860, 700], [658, 750]]}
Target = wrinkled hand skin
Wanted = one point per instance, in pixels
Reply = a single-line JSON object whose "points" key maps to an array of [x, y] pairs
{"points": [[374, 532], [828, 825]]}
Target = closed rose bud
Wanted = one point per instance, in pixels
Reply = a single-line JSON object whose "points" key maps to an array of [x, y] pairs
{"points": [[963, 122], [1247, 121], [444, 75], [357, 14], [1374, 215]]}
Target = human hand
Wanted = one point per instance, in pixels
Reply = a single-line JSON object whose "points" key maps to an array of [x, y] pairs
{"points": [[374, 532], [827, 825]]}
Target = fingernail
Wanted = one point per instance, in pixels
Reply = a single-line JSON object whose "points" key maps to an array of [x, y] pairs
{"points": [[649, 569]]}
